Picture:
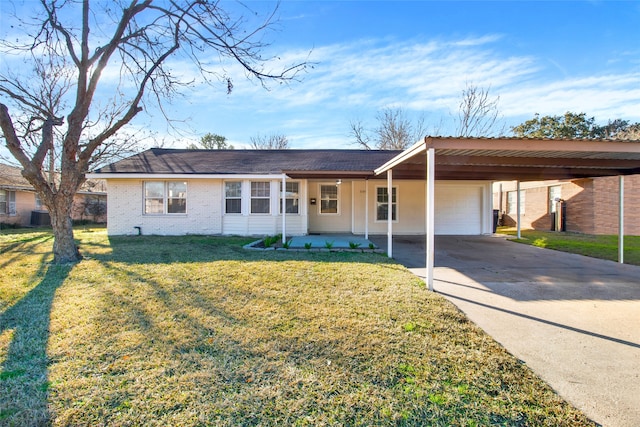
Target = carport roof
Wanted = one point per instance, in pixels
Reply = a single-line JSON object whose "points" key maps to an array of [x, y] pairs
{"points": [[524, 159]]}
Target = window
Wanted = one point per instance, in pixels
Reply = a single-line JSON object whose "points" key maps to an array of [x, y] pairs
{"points": [[3, 202], [292, 197], [165, 197], [382, 204], [555, 194], [260, 197], [233, 197], [328, 199], [512, 202], [39, 205], [7, 202]]}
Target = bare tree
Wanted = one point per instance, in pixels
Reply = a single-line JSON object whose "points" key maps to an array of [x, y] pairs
{"points": [[478, 114], [85, 73], [275, 141], [360, 134], [395, 131]]}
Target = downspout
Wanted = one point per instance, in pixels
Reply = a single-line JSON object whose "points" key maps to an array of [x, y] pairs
{"points": [[621, 219], [389, 215]]}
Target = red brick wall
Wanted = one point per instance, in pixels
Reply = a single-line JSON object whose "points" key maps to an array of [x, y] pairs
{"points": [[592, 206], [606, 205]]}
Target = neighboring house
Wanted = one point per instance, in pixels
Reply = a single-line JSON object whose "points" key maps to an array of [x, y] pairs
{"points": [[239, 192], [20, 205], [591, 205]]}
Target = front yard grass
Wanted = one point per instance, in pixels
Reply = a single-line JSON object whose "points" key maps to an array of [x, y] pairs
{"points": [[193, 330], [603, 247]]}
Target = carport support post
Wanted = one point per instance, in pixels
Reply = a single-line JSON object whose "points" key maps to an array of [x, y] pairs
{"points": [[430, 215], [518, 208], [621, 219], [366, 209], [284, 208], [389, 215]]}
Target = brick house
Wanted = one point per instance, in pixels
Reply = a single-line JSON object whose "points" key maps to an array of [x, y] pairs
{"points": [[591, 204], [20, 205], [439, 185]]}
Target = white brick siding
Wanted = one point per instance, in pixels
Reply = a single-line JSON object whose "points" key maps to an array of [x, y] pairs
{"points": [[126, 209]]}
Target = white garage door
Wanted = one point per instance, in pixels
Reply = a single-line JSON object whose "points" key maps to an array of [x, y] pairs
{"points": [[458, 209]]}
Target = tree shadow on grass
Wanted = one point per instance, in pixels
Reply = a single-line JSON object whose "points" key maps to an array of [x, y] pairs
{"points": [[24, 333]]}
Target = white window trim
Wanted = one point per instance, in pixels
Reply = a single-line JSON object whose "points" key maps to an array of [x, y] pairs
{"points": [[289, 198], [10, 202], [224, 198], [320, 184], [512, 207], [252, 197], [165, 199], [38, 203], [376, 204]]}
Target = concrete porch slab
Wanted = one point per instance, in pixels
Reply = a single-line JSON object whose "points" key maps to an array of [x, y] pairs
{"points": [[336, 241]]}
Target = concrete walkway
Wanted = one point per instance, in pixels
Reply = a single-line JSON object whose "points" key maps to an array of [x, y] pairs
{"points": [[335, 241], [573, 320]]}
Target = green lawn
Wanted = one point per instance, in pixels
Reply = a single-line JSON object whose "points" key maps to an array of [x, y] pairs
{"points": [[604, 247], [191, 331]]}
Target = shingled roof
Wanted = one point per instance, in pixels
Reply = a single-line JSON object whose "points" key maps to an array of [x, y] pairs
{"points": [[11, 178], [295, 163]]}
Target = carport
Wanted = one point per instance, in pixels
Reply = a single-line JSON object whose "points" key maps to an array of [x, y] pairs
{"points": [[507, 159]]}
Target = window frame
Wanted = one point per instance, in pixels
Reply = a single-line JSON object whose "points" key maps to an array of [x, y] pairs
{"points": [[226, 197], [166, 198], [9, 203], [512, 204], [38, 203], [261, 197], [4, 202], [295, 200], [322, 200], [394, 205]]}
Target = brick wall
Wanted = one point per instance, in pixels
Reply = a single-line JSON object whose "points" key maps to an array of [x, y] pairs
{"points": [[126, 210], [591, 205], [607, 205]]}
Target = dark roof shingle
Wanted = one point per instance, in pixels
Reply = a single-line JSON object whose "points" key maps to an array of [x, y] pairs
{"points": [[183, 161]]}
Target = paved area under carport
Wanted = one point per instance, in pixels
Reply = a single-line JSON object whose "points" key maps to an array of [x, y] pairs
{"points": [[573, 320]]}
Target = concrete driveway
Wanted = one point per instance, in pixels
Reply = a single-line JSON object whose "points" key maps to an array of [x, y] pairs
{"points": [[574, 320]]}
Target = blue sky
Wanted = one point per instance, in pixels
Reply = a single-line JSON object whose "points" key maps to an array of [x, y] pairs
{"points": [[544, 57]]}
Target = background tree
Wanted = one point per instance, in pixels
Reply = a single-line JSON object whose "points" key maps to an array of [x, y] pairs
{"points": [[212, 141], [66, 48], [478, 114], [275, 141], [395, 131], [620, 129], [573, 125]]}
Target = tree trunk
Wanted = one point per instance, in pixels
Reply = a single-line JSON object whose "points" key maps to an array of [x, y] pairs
{"points": [[65, 249]]}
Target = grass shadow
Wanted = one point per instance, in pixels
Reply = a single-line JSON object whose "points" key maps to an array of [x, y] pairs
{"points": [[24, 333], [203, 248]]}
